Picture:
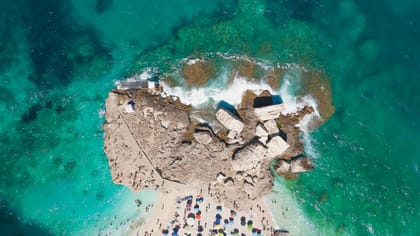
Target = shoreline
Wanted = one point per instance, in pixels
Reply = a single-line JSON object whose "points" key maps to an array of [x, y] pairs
{"points": [[160, 218]]}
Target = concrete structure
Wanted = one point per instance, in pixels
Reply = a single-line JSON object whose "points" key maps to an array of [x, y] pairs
{"points": [[269, 112], [229, 121], [276, 146], [271, 126]]}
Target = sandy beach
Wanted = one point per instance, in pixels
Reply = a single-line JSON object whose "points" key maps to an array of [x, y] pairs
{"points": [[172, 212]]}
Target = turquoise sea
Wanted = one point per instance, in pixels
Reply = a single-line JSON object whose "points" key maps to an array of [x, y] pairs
{"points": [[59, 59]]}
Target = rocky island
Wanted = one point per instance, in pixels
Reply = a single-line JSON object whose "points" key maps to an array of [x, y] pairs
{"points": [[227, 156]]}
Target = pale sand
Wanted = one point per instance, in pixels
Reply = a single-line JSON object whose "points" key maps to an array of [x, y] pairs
{"points": [[164, 210]]}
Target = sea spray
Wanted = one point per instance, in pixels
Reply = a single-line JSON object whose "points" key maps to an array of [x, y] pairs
{"points": [[231, 93]]}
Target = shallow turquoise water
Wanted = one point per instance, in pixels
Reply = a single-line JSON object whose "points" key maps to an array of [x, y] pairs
{"points": [[59, 60]]}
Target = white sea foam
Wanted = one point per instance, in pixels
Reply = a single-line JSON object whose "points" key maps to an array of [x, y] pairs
{"points": [[218, 90], [290, 84], [192, 61], [147, 73]]}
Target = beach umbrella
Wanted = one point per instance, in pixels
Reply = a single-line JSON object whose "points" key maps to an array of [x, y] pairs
{"points": [[219, 209], [165, 232], [176, 228], [250, 223], [235, 231], [218, 216], [258, 232], [198, 216], [226, 221], [190, 221], [200, 228], [187, 198], [191, 215], [231, 220], [243, 221], [199, 234]]}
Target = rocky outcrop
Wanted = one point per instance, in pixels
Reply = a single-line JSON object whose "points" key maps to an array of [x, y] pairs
{"points": [[249, 157], [302, 164], [203, 137], [158, 140], [276, 147], [282, 167]]}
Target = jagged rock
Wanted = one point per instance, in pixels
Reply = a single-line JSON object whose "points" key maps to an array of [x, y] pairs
{"points": [[263, 140], [271, 126], [229, 121], [282, 167], [189, 133], [229, 182], [156, 115], [301, 165], [180, 126], [260, 131], [269, 112], [202, 137], [247, 99], [249, 179], [231, 134], [276, 146], [147, 111], [165, 124], [220, 177], [128, 108]]}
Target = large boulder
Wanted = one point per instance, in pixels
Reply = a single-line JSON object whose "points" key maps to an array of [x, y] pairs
{"points": [[261, 133], [276, 146], [229, 121], [203, 137], [269, 112], [248, 157], [301, 165], [271, 126], [282, 167]]}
